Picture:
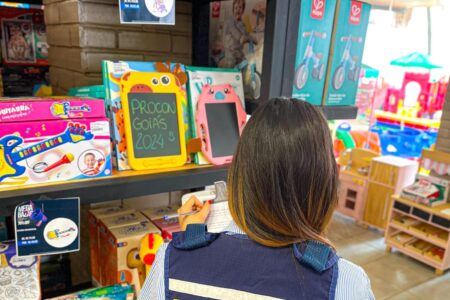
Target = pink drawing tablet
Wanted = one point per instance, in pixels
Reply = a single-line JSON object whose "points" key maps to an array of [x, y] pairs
{"points": [[220, 119]]}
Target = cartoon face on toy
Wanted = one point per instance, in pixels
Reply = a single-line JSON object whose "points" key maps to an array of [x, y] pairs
{"points": [[218, 93], [155, 83]]}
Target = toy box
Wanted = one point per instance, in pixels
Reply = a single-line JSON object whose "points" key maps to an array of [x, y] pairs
{"points": [[105, 225], [167, 227], [38, 109], [114, 292], [347, 46], [236, 40], [112, 72], [198, 76], [122, 263], [59, 150], [19, 276], [313, 46], [21, 80], [95, 216]]}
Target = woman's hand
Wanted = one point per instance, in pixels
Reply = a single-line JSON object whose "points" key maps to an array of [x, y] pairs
{"points": [[193, 204]]}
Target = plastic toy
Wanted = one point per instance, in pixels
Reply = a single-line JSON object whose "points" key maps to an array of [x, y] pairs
{"points": [[153, 121], [9, 156], [346, 138], [150, 244], [206, 119], [347, 65], [318, 67], [134, 262]]}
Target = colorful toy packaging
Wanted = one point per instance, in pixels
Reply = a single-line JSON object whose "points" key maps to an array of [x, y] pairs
{"points": [[113, 292], [167, 226], [123, 263], [313, 46], [95, 217], [112, 73], [199, 76], [105, 225], [45, 140], [347, 46], [19, 276]]}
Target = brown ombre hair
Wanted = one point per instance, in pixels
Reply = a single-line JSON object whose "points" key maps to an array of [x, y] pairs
{"points": [[283, 179]]}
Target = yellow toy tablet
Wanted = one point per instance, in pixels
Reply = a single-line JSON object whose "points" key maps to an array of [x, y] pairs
{"points": [[153, 120]]}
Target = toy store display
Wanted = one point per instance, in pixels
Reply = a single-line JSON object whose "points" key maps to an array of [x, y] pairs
{"points": [[428, 190], [122, 262], [236, 40], [347, 138], [23, 81], [426, 238], [353, 177], [112, 74], [313, 46], [220, 119], [198, 77], [94, 91], [19, 276], [114, 292], [346, 50], [158, 216], [153, 120], [95, 216], [24, 36], [388, 175], [45, 140]]}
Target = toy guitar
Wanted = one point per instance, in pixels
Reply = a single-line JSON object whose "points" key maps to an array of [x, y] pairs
{"points": [[9, 158], [64, 109]]}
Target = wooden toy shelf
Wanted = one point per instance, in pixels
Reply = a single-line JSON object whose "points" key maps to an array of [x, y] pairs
{"points": [[120, 185], [420, 232]]}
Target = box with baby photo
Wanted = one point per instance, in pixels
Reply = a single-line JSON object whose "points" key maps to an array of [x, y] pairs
{"points": [[18, 41]]}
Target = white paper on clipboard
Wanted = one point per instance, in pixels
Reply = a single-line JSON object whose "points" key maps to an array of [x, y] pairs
{"points": [[219, 217]]}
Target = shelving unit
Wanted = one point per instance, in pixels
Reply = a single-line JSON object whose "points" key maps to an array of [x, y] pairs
{"points": [[124, 184], [420, 231]]}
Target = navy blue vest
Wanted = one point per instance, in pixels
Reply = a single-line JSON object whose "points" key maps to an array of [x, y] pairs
{"points": [[201, 265]]}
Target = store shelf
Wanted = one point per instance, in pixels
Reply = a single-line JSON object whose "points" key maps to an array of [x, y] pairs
{"points": [[422, 236], [339, 112], [423, 258], [120, 185]]}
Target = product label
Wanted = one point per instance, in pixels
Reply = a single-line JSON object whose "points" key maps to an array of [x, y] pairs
{"points": [[355, 13], [318, 9]]}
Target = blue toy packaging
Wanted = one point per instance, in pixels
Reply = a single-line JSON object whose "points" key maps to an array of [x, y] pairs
{"points": [[347, 46], [313, 46]]}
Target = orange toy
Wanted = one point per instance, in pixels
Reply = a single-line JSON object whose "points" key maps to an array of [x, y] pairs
{"points": [[150, 244]]}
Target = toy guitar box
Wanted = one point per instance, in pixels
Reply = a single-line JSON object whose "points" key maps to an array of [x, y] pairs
{"points": [[198, 77], [112, 74], [44, 141]]}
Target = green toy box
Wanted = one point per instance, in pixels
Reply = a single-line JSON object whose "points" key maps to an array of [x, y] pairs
{"points": [[347, 46], [313, 47]]}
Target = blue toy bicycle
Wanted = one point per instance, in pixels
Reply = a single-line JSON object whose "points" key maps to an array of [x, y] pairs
{"points": [[302, 72], [346, 62]]}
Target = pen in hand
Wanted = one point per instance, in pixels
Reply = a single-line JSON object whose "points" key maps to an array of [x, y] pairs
{"points": [[194, 210]]}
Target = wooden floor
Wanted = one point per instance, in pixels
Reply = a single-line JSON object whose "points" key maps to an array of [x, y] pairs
{"points": [[393, 275]]}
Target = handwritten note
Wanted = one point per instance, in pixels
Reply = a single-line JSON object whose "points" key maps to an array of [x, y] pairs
{"points": [[154, 124]]}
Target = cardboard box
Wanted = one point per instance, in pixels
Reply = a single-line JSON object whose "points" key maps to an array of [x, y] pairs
{"points": [[94, 217], [122, 263], [346, 51], [44, 151], [313, 47], [105, 226], [167, 227]]}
